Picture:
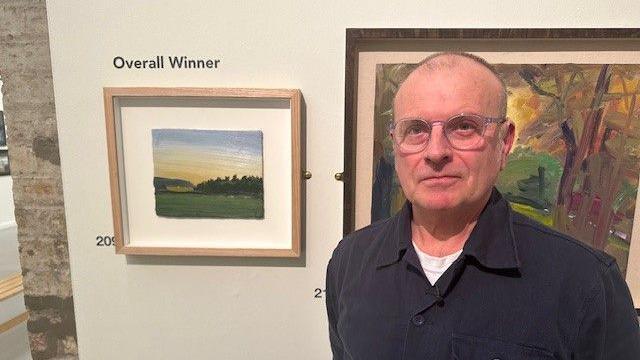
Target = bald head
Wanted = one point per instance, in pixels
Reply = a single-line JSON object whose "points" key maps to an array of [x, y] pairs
{"points": [[439, 177], [473, 70]]}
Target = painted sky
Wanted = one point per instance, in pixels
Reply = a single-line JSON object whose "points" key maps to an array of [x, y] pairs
{"points": [[199, 155]]}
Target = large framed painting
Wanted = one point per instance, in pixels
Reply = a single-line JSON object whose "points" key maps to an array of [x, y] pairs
{"points": [[205, 171], [573, 95]]}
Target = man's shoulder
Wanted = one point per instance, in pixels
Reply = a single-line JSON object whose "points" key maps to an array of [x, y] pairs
{"points": [[539, 239], [364, 238]]}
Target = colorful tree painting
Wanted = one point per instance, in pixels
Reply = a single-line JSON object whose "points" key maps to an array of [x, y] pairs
{"points": [[575, 164]]}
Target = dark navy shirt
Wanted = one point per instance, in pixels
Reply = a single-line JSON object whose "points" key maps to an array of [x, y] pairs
{"points": [[518, 291]]}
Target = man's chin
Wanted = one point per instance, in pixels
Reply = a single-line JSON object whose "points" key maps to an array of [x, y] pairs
{"points": [[436, 203]]}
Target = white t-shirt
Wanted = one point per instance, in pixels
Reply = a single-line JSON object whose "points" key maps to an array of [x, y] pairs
{"points": [[434, 266]]}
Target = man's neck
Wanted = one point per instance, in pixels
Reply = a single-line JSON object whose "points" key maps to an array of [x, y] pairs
{"points": [[443, 232]]}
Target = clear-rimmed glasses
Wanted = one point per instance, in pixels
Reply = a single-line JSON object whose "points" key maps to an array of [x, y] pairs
{"points": [[463, 131]]}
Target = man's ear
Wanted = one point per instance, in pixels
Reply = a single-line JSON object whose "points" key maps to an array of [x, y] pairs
{"points": [[506, 141]]}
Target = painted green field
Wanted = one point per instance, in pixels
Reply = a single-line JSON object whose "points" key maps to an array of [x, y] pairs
{"points": [[190, 205], [533, 213]]}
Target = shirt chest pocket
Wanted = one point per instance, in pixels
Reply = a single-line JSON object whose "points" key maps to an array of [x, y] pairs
{"points": [[465, 347]]}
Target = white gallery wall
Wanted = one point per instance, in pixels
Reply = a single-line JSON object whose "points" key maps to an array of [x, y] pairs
{"points": [[212, 308]]}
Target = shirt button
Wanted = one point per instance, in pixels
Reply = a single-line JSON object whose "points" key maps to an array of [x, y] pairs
{"points": [[418, 320]]}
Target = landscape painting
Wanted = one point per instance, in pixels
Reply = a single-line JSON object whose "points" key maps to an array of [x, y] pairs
{"points": [[576, 160], [208, 174]]}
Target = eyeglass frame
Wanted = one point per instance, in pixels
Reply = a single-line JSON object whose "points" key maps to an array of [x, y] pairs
{"points": [[486, 120]]}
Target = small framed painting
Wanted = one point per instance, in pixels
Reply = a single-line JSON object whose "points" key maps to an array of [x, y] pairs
{"points": [[205, 171]]}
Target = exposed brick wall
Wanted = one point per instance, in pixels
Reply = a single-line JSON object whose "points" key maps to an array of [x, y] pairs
{"points": [[25, 69]]}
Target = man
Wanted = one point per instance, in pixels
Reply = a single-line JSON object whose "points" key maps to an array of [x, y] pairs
{"points": [[456, 274]]}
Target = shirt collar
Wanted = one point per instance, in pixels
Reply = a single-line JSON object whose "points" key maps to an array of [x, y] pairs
{"points": [[491, 241]]}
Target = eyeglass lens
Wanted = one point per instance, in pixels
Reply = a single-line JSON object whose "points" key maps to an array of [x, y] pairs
{"points": [[463, 132]]}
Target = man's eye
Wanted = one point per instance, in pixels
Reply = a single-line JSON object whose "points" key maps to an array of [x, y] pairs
{"points": [[416, 128], [465, 127], [413, 130]]}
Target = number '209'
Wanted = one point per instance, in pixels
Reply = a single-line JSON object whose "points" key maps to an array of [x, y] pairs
{"points": [[105, 241]]}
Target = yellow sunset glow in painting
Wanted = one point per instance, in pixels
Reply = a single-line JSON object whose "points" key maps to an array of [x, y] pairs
{"points": [[200, 155]]}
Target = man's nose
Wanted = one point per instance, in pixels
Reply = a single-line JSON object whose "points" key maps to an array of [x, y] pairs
{"points": [[438, 149]]}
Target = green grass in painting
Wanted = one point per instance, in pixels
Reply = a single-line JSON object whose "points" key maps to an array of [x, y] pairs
{"points": [[548, 220], [533, 213], [618, 243], [179, 189], [519, 180], [190, 205]]}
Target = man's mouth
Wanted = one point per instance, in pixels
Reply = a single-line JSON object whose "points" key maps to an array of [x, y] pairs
{"points": [[440, 180]]}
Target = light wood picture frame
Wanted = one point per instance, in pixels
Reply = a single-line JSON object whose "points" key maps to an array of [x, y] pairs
{"points": [[205, 171]]}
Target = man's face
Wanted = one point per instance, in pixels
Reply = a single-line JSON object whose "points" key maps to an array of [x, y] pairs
{"points": [[441, 177]]}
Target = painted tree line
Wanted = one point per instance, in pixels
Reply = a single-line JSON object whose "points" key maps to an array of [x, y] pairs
{"points": [[232, 185]]}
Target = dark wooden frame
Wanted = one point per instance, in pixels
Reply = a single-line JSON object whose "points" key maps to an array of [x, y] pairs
{"points": [[357, 38]]}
